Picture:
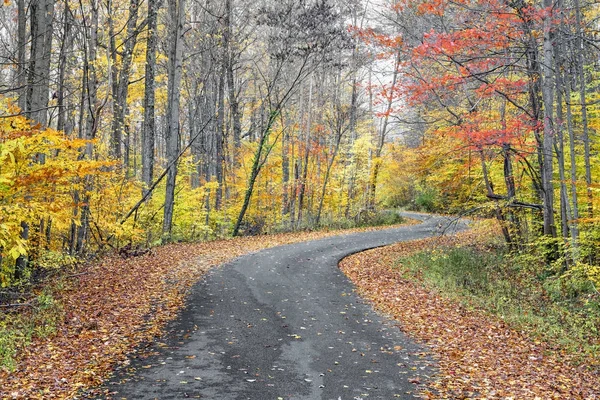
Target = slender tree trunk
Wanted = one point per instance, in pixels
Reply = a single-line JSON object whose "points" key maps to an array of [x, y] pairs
{"points": [[220, 135], [302, 189], [38, 83], [257, 163], [583, 100], [491, 195], [92, 123], [120, 77], [66, 45], [233, 99], [327, 174], [148, 125], [176, 20], [21, 51], [382, 136], [285, 170], [573, 162], [548, 139], [565, 209]]}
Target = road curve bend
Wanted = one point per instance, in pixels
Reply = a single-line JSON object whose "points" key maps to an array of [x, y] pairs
{"points": [[284, 323]]}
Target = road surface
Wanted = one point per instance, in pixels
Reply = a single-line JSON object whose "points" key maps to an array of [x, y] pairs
{"points": [[284, 323]]}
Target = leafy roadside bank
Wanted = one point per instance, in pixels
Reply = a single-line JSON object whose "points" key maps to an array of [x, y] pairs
{"points": [[480, 355], [106, 309]]}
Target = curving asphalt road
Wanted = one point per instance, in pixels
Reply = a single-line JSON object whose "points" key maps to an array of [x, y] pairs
{"points": [[284, 323]]}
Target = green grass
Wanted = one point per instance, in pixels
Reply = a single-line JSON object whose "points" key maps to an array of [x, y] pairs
{"points": [[19, 327], [551, 307]]}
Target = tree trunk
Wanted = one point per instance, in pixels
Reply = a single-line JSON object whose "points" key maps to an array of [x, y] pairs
{"points": [[490, 194], [176, 21], [92, 123], [257, 163], [21, 51], [66, 45], [285, 171], [381, 137], [42, 17], [233, 100], [548, 139], [38, 82], [302, 189], [582, 99], [565, 209], [327, 174], [120, 78], [220, 134], [573, 162], [148, 125]]}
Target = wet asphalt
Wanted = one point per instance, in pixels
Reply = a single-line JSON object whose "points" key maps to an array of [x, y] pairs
{"points": [[284, 323]]}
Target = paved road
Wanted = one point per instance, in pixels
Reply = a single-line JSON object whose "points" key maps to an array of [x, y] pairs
{"points": [[284, 323]]}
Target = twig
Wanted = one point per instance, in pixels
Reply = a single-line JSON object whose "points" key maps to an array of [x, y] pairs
{"points": [[78, 274], [28, 304]]}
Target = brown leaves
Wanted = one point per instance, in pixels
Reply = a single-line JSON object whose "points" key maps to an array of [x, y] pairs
{"points": [[479, 355], [115, 305]]}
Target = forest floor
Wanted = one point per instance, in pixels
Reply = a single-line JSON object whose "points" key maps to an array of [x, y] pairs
{"points": [[101, 313], [479, 355], [107, 309]]}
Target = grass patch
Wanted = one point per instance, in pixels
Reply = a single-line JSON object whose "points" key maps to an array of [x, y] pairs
{"points": [[557, 308], [20, 324], [365, 219]]}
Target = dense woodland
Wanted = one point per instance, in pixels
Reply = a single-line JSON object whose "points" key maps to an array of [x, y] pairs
{"points": [[134, 123]]}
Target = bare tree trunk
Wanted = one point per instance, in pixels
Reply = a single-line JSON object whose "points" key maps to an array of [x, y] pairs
{"points": [[285, 170], [120, 77], [233, 99], [21, 51], [148, 126], [573, 162], [302, 189], [257, 163], [176, 21], [582, 99], [38, 83], [220, 134], [491, 195], [565, 209], [42, 17], [548, 139], [66, 45], [338, 140], [381, 137], [92, 122]]}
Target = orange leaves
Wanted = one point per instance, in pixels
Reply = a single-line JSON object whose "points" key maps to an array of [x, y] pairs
{"points": [[116, 304], [479, 356]]}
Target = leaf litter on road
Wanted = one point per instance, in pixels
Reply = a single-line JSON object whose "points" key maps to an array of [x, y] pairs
{"points": [[116, 304]]}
